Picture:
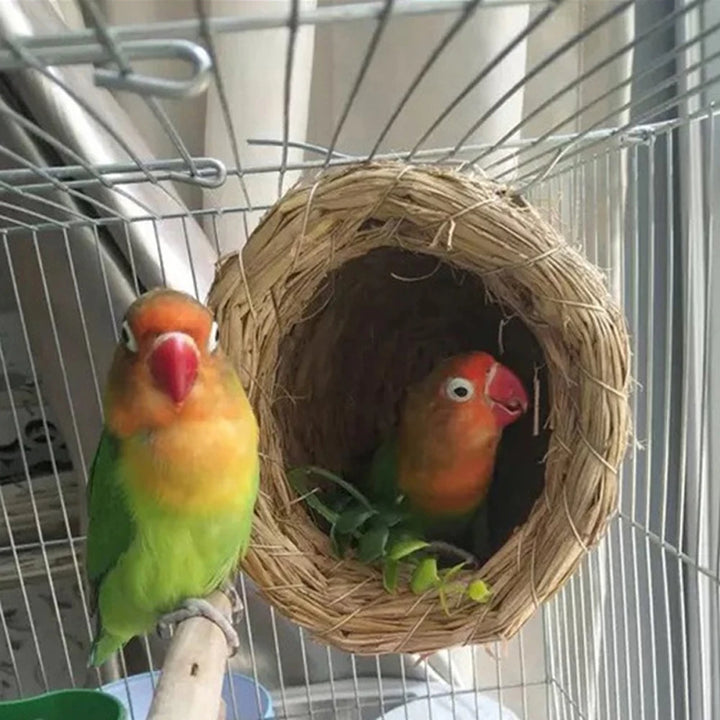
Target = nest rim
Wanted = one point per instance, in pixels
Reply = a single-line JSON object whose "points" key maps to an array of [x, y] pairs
{"points": [[259, 296]]}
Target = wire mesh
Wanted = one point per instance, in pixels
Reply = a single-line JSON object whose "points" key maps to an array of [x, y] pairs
{"points": [[602, 112]]}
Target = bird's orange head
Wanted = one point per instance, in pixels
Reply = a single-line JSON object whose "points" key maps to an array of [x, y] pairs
{"points": [[168, 364], [450, 429], [479, 382]]}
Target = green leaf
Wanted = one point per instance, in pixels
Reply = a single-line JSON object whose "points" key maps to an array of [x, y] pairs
{"points": [[393, 517], [340, 542], [334, 543], [390, 575], [424, 576], [372, 543], [341, 500], [447, 587], [450, 573], [296, 478], [479, 591], [337, 499], [352, 519], [405, 547], [313, 469]]}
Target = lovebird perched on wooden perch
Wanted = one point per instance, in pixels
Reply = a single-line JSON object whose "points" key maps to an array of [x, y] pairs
{"points": [[442, 458], [175, 478]]}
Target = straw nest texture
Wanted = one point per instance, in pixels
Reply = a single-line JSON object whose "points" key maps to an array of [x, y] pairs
{"points": [[353, 286]]}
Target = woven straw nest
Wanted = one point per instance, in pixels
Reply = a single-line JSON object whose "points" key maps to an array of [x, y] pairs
{"points": [[353, 286]]}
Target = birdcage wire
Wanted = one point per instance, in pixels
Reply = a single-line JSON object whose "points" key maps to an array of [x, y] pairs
{"points": [[596, 663]]}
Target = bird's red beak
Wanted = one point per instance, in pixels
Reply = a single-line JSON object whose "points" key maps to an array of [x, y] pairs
{"points": [[506, 394], [174, 364]]}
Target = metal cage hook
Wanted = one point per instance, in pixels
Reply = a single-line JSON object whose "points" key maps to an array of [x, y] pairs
{"points": [[141, 84]]}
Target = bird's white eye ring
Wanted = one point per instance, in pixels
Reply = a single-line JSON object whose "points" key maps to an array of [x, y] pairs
{"points": [[127, 337], [213, 337], [459, 389]]}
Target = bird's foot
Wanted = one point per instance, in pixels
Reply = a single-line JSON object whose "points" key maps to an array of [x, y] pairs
{"points": [[199, 607], [447, 549], [236, 604]]}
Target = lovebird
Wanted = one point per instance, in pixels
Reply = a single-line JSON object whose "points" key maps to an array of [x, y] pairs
{"points": [[441, 459], [174, 481]]}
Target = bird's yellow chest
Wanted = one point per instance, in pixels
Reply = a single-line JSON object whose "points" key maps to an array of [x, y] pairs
{"points": [[194, 466]]}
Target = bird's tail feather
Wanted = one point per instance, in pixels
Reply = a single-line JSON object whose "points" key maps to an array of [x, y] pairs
{"points": [[103, 647]]}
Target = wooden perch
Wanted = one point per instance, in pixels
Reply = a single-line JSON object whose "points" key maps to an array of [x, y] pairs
{"points": [[190, 684]]}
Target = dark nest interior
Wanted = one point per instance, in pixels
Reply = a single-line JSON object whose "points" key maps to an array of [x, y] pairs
{"points": [[378, 324]]}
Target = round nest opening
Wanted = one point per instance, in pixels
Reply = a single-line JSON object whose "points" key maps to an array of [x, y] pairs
{"points": [[355, 284]]}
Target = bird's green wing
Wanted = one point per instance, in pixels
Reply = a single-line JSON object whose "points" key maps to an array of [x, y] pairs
{"points": [[381, 480], [110, 523], [247, 521]]}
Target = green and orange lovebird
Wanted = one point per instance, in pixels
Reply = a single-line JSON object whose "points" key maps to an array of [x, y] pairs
{"points": [[174, 481], [443, 455]]}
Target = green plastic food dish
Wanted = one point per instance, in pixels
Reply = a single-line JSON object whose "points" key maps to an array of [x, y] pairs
{"points": [[64, 705]]}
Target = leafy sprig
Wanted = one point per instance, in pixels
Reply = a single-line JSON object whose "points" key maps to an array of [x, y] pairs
{"points": [[383, 534]]}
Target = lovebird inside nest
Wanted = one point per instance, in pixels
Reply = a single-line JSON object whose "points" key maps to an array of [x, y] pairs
{"points": [[350, 291], [390, 317]]}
